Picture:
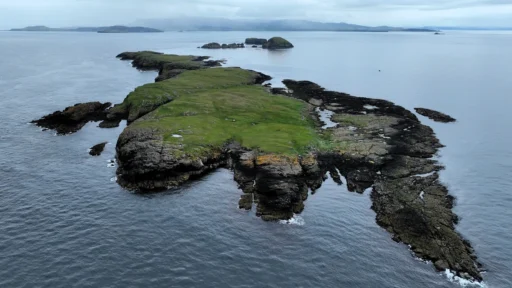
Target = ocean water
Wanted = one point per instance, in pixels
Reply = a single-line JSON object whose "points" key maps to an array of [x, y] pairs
{"points": [[64, 222]]}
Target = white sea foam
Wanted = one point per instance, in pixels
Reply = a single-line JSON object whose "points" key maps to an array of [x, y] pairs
{"points": [[370, 107], [296, 220], [425, 175], [452, 277], [111, 165], [113, 179], [325, 116]]}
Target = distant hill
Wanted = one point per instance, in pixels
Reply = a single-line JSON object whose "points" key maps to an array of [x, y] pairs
{"points": [[107, 29], [221, 24]]}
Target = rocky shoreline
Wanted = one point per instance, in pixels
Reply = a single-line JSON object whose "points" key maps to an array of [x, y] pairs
{"points": [[277, 157]]}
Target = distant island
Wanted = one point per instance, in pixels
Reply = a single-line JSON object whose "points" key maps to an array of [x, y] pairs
{"points": [[107, 29], [224, 24], [221, 24]]}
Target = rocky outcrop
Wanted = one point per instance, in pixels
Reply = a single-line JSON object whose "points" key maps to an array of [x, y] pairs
{"points": [[435, 115], [277, 43], [255, 41], [387, 148], [74, 118], [215, 45], [97, 149]]}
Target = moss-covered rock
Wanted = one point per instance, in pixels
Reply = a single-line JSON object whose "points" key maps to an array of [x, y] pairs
{"points": [[277, 43]]}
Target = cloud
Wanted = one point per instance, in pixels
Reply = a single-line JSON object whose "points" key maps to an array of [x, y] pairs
{"points": [[15, 13]]}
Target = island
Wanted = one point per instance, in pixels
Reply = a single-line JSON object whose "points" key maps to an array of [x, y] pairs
{"points": [[108, 29], [277, 43], [125, 29], [196, 119]]}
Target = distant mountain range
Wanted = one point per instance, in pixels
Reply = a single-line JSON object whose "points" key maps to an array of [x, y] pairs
{"points": [[221, 24], [107, 29]]}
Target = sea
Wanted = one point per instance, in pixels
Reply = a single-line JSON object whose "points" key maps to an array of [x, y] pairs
{"points": [[64, 221]]}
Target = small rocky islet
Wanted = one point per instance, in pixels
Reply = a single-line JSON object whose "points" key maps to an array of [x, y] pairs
{"points": [[97, 149], [274, 43], [194, 119]]}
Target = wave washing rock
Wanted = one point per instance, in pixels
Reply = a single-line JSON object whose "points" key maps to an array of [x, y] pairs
{"points": [[275, 144], [277, 43], [74, 118], [434, 115], [255, 41]]}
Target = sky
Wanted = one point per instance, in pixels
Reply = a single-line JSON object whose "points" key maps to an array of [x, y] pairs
{"points": [[407, 13]]}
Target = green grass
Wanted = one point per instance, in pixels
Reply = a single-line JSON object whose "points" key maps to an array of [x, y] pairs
{"points": [[150, 58], [214, 106], [146, 98]]}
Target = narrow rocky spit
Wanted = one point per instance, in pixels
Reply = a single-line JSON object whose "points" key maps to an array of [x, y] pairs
{"points": [[435, 115], [373, 144]]}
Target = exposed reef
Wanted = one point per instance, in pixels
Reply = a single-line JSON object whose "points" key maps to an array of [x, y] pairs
{"points": [[255, 41], [97, 149], [435, 115], [74, 118], [215, 45], [194, 120]]}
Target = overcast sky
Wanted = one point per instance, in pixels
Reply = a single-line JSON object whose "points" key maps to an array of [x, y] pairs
{"points": [[58, 13]]}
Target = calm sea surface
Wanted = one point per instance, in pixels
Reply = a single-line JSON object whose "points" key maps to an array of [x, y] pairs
{"points": [[64, 222]]}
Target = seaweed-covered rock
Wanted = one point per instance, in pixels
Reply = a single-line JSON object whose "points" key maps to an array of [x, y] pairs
{"points": [[74, 118], [255, 41], [277, 43], [97, 149], [435, 115]]}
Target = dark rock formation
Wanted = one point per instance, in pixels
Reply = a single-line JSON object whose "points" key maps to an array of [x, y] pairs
{"points": [[223, 46], [97, 149], [388, 148], [435, 115], [110, 123], [254, 46], [255, 41], [212, 45], [74, 118], [277, 43]]}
